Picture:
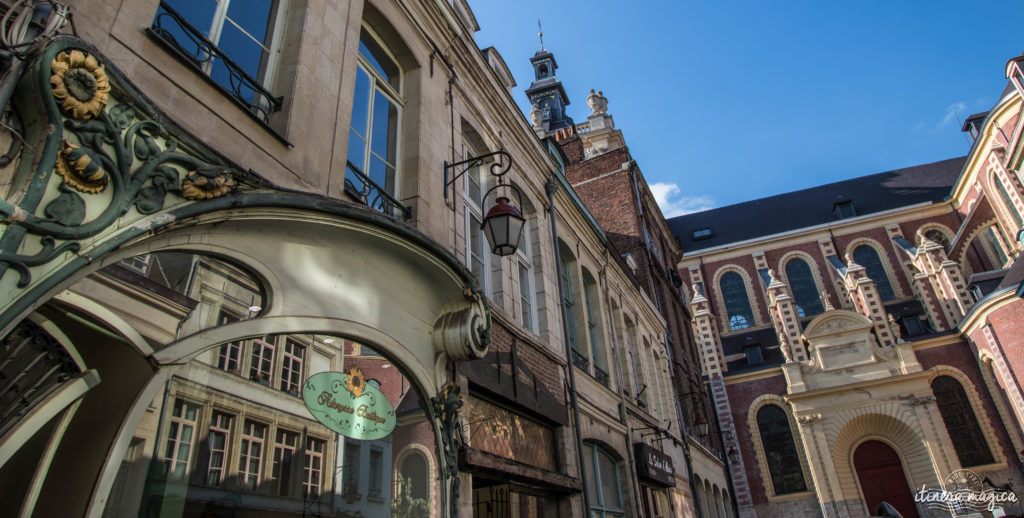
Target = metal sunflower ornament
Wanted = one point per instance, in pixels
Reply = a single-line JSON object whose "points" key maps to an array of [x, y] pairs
{"points": [[79, 83]]}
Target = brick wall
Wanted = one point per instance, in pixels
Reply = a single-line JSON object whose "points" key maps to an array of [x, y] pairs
{"points": [[740, 397]]}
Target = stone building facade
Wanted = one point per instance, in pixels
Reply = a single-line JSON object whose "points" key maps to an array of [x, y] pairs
{"points": [[858, 337], [205, 209], [609, 182]]}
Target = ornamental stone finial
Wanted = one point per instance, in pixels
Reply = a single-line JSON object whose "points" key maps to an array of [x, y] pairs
{"points": [[827, 300], [597, 102]]}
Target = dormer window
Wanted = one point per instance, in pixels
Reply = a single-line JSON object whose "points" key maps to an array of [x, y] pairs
{"points": [[843, 209], [702, 233], [972, 126]]}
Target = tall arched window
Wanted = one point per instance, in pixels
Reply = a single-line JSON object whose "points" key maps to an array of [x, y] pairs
{"points": [[867, 257], [592, 312], [805, 291], [374, 130], [961, 422], [780, 450], [737, 305], [604, 486], [1007, 201]]}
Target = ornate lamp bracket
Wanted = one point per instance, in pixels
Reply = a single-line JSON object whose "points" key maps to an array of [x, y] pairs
{"points": [[499, 168]]}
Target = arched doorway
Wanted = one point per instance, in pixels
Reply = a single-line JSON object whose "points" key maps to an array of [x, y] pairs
{"points": [[881, 478]]}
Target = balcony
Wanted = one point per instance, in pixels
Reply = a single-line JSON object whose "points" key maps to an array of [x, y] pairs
{"points": [[367, 192], [579, 360], [600, 375], [191, 47]]}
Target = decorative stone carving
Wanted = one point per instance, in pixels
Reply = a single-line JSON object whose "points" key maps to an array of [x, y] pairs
{"points": [[808, 419], [895, 327], [597, 102], [826, 299], [536, 116]]}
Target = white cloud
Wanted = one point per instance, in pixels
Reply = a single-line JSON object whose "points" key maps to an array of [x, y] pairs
{"points": [[952, 111], [673, 203]]}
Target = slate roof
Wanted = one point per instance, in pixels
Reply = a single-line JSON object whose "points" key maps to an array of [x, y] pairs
{"points": [[815, 206]]}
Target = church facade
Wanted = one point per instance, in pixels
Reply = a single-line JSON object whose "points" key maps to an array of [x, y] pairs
{"points": [[861, 338]]}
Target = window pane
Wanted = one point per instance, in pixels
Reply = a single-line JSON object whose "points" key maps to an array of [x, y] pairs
{"points": [[737, 305], [805, 291], [243, 50], [253, 16], [609, 481], [360, 109], [867, 257], [780, 450], [385, 127], [588, 463], [199, 13], [378, 59], [961, 422]]}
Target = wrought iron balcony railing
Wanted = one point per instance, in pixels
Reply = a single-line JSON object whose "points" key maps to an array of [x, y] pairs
{"points": [[201, 53], [579, 360], [600, 375], [366, 191]]}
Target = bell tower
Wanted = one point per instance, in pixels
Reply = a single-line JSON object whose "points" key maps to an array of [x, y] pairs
{"points": [[547, 95]]}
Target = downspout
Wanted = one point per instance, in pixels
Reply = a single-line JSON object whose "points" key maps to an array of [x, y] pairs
{"points": [[671, 359], [551, 187]]}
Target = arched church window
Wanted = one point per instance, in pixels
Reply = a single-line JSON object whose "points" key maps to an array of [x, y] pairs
{"points": [[737, 305], [780, 450], [867, 257], [1007, 201], [993, 245], [961, 422], [805, 291], [938, 237]]}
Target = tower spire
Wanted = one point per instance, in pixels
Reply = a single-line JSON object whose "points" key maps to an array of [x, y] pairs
{"points": [[540, 34]]}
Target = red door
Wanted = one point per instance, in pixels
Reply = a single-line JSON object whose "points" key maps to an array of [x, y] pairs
{"points": [[881, 478]]}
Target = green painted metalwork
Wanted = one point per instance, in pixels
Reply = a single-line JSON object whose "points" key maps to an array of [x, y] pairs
{"points": [[446, 407]]}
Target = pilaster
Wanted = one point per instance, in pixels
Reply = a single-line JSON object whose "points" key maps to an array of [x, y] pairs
{"points": [[865, 296], [786, 320]]}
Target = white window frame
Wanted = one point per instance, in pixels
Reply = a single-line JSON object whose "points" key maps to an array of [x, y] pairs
{"points": [[524, 259], [245, 454], [220, 17], [289, 357], [313, 476], [394, 95], [276, 462], [218, 427], [172, 460], [473, 228]]}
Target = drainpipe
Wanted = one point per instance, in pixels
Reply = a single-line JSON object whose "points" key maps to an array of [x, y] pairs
{"points": [[551, 187], [671, 359]]}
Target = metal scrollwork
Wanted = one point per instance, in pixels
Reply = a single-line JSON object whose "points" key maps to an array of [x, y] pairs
{"points": [[111, 157], [446, 408]]}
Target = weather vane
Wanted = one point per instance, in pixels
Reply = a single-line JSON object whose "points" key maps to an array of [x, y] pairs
{"points": [[540, 34]]}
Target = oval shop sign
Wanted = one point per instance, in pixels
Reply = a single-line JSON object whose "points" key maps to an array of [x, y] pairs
{"points": [[346, 404]]}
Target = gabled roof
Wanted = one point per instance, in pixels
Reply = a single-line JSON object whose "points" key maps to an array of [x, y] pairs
{"points": [[817, 205]]}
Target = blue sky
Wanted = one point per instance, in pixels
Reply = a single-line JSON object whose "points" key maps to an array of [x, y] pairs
{"points": [[722, 102]]}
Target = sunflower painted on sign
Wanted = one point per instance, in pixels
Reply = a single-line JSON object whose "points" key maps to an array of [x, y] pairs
{"points": [[356, 382]]}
